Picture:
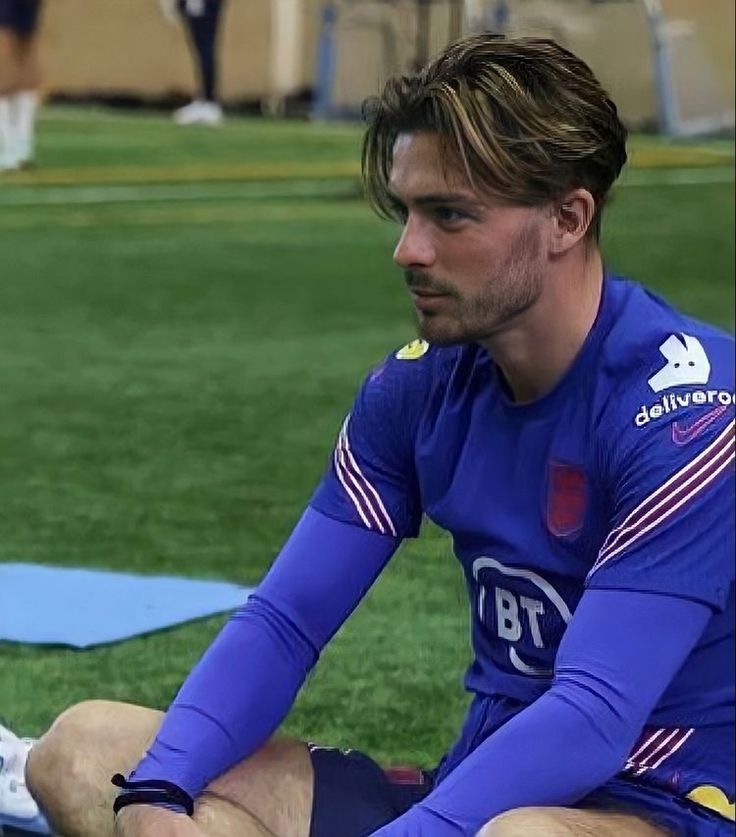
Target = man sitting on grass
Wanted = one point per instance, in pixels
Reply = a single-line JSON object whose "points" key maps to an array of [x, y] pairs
{"points": [[572, 432]]}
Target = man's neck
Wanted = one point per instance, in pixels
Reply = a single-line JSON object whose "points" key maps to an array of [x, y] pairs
{"points": [[536, 351]]}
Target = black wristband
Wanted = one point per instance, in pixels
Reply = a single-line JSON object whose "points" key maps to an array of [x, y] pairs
{"points": [[150, 792]]}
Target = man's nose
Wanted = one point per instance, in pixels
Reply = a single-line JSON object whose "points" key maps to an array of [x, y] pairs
{"points": [[415, 247]]}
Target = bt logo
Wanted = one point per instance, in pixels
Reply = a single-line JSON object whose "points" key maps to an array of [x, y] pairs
{"points": [[520, 618]]}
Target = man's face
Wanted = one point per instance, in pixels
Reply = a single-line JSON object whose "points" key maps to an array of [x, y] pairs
{"points": [[472, 264]]}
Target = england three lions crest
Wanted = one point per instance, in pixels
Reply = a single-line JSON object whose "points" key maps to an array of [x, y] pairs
{"points": [[567, 498]]}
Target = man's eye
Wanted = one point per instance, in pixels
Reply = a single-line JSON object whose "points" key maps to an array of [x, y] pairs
{"points": [[447, 215], [400, 213]]}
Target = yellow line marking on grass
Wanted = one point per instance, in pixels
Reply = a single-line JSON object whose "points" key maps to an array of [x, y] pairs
{"points": [[642, 157], [101, 175], [238, 193], [678, 156]]}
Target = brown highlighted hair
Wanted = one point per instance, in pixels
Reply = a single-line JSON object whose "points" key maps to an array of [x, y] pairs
{"points": [[525, 118]]}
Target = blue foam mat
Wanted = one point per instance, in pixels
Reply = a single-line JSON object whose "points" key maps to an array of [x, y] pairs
{"points": [[82, 608]]}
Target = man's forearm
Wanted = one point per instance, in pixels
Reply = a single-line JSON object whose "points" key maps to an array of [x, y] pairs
{"points": [[233, 700], [549, 754], [620, 652], [245, 684]]}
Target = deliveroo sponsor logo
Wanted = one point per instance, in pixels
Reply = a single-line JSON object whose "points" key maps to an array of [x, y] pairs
{"points": [[687, 363], [671, 403]]}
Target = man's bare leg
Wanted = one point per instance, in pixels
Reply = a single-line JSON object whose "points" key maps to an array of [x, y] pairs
{"points": [[568, 822], [69, 770], [29, 68], [9, 76]]}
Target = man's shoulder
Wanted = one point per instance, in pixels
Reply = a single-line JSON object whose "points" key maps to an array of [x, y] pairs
{"points": [[658, 361], [406, 374]]}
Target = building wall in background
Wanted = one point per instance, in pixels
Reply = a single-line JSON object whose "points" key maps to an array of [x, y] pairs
{"points": [[715, 21], [600, 34], [613, 37], [93, 46], [109, 46], [703, 46]]}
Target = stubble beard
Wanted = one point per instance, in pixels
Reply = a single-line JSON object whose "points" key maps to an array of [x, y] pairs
{"points": [[505, 295]]}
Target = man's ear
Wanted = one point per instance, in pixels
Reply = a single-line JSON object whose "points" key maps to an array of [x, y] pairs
{"points": [[572, 218]]}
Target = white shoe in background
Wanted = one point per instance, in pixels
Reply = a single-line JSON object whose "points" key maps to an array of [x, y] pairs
{"points": [[199, 112], [8, 163], [23, 108], [18, 809]]}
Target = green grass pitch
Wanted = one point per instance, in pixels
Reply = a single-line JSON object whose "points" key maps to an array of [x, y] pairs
{"points": [[184, 317]]}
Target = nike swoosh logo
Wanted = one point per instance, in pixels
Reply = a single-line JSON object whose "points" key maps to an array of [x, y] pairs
{"points": [[681, 435]]}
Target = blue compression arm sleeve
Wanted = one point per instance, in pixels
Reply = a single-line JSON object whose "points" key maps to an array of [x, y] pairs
{"points": [[617, 657], [246, 682]]}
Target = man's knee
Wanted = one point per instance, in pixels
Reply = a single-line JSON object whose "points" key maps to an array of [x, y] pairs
{"points": [[69, 768], [524, 821], [567, 822], [59, 757]]}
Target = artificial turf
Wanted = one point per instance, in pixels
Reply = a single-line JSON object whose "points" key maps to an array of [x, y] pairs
{"points": [[184, 317]]}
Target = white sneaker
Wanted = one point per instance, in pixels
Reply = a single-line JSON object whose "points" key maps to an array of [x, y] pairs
{"points": [[199, 112], [8, 162], [18, 809]]}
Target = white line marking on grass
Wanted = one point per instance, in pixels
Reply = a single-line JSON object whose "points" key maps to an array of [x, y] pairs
{"points": [[177, 193], [248, 213], [70, 196]]}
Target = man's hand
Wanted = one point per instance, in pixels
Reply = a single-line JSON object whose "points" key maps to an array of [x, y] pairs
{"points": [[150, 821]]}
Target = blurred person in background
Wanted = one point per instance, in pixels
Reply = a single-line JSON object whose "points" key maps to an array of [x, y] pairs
{"points": [[201, 20], [20, 79], [570, 430]]}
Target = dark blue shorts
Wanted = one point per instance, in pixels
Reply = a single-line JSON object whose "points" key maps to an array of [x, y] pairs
{"points": [[354, 796], [20, 15]]}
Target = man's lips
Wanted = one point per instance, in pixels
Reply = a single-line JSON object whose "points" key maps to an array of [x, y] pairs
{"points": [[425, 294], [427, 301]]}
